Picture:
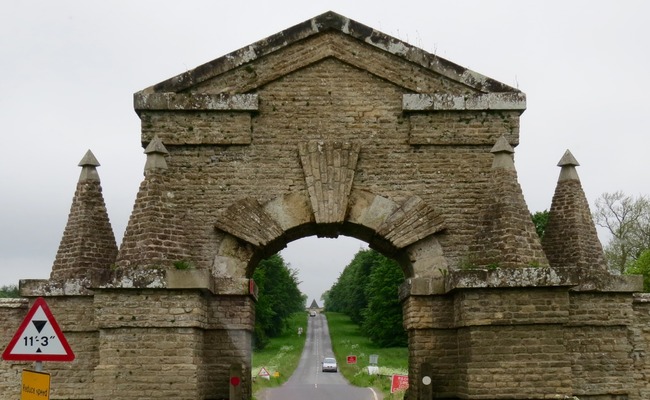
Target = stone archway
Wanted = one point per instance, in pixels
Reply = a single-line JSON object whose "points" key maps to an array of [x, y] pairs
{"points": [[382, 223], [405, 232], [327, 128]]}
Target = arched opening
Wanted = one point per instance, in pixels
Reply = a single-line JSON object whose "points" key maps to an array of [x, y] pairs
{"points": [[405, 232], [367, 282], [319, 262]]}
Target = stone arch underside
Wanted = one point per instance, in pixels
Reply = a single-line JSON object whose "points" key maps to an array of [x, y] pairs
{"points": [[330, 206], [405, 231]]}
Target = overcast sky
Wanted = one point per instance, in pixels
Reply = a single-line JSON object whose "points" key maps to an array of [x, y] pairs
{"points": [[68, 70]]}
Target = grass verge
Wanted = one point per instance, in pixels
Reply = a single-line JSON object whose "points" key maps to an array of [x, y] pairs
{"points": [[281, 356], [347, 340]]}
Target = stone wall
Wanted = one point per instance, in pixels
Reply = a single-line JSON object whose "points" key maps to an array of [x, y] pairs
{"points": [[639, 336], [162, 344], [532, 343], [400, 153], [140, 343], [12, 313]]}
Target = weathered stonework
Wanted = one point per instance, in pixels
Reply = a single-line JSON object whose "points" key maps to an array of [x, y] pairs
{"points": [[332, 128], [88, 245]]}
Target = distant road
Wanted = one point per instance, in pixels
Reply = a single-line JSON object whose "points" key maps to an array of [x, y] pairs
{"points": [[309, 382]]}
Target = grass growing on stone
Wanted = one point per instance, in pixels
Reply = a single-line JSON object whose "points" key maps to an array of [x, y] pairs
{"points": [[281, 356], [347, 340]]}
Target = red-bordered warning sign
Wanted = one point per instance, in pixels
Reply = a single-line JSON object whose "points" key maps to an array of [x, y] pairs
{"points": [[399, 382], [38, 338], [264, 373]]}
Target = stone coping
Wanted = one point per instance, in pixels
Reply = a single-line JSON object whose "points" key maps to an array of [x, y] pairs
{"points": [[151, 278], [195, 102], [572, 278], [327, 22], [51, 287], [447, 102]]}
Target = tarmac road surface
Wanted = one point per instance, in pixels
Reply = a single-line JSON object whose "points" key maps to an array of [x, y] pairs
{"points": [[309, 382]]}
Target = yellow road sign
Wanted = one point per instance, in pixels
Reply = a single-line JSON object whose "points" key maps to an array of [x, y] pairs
{"points": [[36, 386]]}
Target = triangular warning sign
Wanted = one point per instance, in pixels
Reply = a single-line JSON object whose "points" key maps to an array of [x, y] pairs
{"points": [[38, 338]]}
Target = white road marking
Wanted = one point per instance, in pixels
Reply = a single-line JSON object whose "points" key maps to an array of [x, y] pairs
{"points": [[374, 393]]}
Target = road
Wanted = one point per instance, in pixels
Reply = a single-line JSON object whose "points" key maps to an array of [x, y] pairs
{"points": [[309, 381]]}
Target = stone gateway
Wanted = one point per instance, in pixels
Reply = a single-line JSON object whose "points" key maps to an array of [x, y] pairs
{"points": [[332, 128]]}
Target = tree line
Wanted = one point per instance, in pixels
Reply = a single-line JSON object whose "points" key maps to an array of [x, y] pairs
{"points": [[367, 291], [627, 221], [278, 297], [9, 291]]}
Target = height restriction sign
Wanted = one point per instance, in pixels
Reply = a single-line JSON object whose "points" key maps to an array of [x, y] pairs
{"points": [[38, 338]]}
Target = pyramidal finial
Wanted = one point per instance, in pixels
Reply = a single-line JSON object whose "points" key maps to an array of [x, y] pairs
{"points": [[568, 163], [89, 166], [567, 159], [89, 159], [503, 155], [156, 153], [502, 146]]}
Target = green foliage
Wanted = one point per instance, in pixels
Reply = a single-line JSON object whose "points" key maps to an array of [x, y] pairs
{"points": [[540, 220], [348, 294], [278, 298], [383, 315], [9, 291], [366, 291], [627, 219], [493, 266], [641, 266], [348, 339], [281, 355], [182, 265]]}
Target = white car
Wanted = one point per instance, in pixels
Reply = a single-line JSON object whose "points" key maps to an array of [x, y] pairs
{"points": [[329, 364], [312, 313]]}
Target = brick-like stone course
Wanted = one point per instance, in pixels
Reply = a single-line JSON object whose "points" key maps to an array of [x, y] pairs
{"points": [[514, 362], [513, 306], [88, 245], [12, 313]]}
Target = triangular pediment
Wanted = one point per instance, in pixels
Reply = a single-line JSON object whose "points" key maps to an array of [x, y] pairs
{"points": [[327, 36]]}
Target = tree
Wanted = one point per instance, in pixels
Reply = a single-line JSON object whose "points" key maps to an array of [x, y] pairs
{"points": [[367, 291], [278, 298], [361, 267], [8, 291], [325, 296], [348, 294], [338, 296], [383, 319], [641, 266], [627, 219], [540, 219]]}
